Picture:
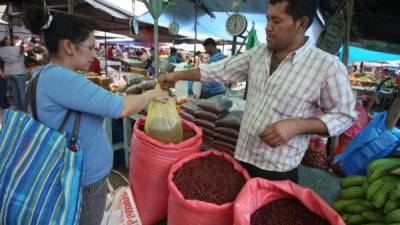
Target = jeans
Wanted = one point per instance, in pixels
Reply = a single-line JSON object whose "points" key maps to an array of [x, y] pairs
{"points": [[254, 171], [3, 94], [17, 88], [94, 203]]}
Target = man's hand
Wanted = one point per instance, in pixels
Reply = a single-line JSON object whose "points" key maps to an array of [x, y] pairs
{"points": [[2, 75], [167, 80], [280, 132]]}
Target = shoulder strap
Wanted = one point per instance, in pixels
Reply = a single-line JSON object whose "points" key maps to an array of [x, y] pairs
{"points": [[30, 99]]}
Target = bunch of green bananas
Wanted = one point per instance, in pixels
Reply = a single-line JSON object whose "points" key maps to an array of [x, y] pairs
{"points": [[373, 199]]}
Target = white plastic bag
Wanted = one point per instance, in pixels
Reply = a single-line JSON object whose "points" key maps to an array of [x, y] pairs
{"points": [[121, 208]]}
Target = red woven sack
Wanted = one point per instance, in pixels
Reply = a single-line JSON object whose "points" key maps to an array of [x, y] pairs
{"points": [[258, 192], [194, 212], [149, 164]]}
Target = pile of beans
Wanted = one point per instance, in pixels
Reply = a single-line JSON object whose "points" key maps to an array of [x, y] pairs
{"points": [[285, 212], [210, 179]]}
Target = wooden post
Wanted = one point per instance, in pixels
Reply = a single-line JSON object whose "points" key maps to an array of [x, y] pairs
{"points": [[349, 15], [70, 6]]}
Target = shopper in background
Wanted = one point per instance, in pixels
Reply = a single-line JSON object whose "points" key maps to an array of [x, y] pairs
{"points": [[173, 56], [71, 44], [214, 88], [288, 80], [95, 67], [197, 59], [14, 69]]}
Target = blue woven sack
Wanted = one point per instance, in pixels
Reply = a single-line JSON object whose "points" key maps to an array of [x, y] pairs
{"points": [[40, 170], [375, 141]]}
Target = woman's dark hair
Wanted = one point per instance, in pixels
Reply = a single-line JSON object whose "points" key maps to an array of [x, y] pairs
{"points": [[173, 51], [299, 8], [62, 26]]}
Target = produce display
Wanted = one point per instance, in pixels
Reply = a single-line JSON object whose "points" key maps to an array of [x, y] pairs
{"points": [[372, 199], [101, 81], [285, 211], [210, 179]]}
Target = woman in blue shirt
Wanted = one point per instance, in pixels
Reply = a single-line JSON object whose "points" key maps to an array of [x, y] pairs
{"points": [[71, 44]]}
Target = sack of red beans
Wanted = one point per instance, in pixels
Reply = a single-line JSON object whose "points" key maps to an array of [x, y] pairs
{"points": [[203, 187], [264, 202], [149, 165]]}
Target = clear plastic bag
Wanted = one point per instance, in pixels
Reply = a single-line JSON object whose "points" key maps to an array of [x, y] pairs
{"points": [[163, 122]]}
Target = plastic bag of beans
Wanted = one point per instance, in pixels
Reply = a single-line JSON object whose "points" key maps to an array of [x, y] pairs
{"points": [[190, 107], [163, 122], [217, 104], [149, 165], [194, 178], [230, 132], [232, 120], [210, 116], [187, 116], [260, 192]]}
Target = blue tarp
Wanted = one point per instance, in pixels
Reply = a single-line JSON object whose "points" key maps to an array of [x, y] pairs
{"points": [[357, 54]]}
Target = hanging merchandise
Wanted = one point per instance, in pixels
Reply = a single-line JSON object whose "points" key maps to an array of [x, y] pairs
{"points": [[252, 39], [149, 164], [133, 22]]}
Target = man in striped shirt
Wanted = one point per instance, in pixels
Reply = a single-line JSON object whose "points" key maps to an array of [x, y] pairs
{"points": [[288, 80]]}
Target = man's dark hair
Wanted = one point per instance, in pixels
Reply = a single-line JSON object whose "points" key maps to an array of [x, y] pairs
{"points": [[210, 42], [173, 51], [299, 8]]}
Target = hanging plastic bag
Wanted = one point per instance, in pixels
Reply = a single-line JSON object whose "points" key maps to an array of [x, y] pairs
{"points": [[258, 192], [163, 122], [375, 141]]}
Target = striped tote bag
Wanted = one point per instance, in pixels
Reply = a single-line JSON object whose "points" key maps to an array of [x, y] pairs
{"points": [[40, 170]]}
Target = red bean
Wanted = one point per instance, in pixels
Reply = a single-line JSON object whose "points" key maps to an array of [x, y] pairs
{"points": [[285, 212], [211, 179]]}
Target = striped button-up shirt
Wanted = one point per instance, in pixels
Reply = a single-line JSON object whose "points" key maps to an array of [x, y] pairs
{"points": [[307, 79]]}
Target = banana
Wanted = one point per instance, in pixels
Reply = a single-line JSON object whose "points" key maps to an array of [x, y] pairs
{"points": [[366, 204], [373, 216], [382, 170], [345, 217], [395, 171], [381, 195], [352, 192], [377, 184], [352, 181], [389, 206], [393, 216], [355, 208], [394, 194], [379, 162], [356, 219], [339, 205]]}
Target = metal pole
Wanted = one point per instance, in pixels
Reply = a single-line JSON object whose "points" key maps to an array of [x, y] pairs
{"points": [[105, 52], [156, 56], [196, 13], [234, 45], [349, 15]]}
